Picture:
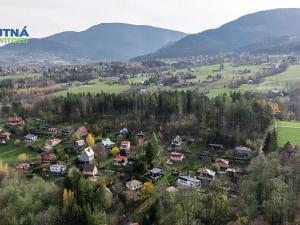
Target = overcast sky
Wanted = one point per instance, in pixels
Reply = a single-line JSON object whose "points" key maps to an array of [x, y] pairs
{"points": [[45, 17]]}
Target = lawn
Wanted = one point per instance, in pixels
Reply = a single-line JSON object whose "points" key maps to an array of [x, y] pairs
{"points": [[288, 131], [285, 80], [19, 76], [138, 79], [94, 87], [228, 74], [9, 152]]}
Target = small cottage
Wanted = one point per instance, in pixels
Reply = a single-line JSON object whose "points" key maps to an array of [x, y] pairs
{"points": [[155, 173], [79, 143], [242, 152], [222, 164], [52, 141], [30, 138], [140, 138], [107, 143], [16, 121], [87, 155], [48, 157], [4, 137], [172, 189], [134, 185], [124, 131], [205, 174], [120, 160], [125, 145], [89, 170], [58, 168], [176, 156], [22, 166], [176, 142], [81, 131], [187, 181], [53, 130]]}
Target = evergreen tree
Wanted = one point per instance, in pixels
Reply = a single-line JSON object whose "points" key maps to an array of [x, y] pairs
{"points": [[274, 143], [267, 144]]}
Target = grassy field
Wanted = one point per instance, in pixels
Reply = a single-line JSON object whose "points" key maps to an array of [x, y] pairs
{"points": [[228, 74], [286, 80], [95, 87], [9, 152], [20, 76], [288, 131]]}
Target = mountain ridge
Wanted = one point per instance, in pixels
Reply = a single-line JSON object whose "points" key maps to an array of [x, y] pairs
{"points": [[102, 42], [235, 34]]}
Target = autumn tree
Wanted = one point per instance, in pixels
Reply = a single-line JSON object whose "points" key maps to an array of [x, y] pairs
{"points": [[68, 198], [17, 142], [4, 168], [22, 157], [90, 139], [115, 150], [147, 190]]}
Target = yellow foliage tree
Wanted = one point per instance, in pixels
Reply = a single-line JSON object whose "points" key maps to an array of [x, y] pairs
{"points": [[17, 142], [68, 198], [90, 139], [147, 190], [22, 157], [115, 150], [4, 168], [274, 105]]}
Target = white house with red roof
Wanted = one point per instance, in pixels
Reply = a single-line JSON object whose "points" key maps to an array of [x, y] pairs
{"points": [[125, 145], [16, 121], [176, 156], [120, 160]]}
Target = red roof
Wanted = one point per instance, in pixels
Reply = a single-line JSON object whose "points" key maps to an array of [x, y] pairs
{"points": [[53, 128], [48, 156], [124, 143], [120, 158], [6, 134], [222, 161], [82, 131], [22, 166], [14, 119], [176, 154]]}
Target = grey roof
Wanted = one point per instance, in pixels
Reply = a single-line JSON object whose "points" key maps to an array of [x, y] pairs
{"points": [[192, 179], [155, 170], [29, 136], [88, 168]]}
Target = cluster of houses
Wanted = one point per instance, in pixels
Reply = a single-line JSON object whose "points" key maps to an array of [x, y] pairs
{"points": [[87, 155], [176, 154], [203, 175]]}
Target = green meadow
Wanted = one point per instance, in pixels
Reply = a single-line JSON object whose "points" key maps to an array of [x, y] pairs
{"points": [[94, 87], [285, 80], [19, 76], [9, 152], [288, 131]]}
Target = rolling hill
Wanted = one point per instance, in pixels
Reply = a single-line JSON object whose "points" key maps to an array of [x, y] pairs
{"points": [[103, 42], [233, 36]]}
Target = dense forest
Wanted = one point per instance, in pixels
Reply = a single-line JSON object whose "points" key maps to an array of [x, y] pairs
{"points": [[228, 119]]}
